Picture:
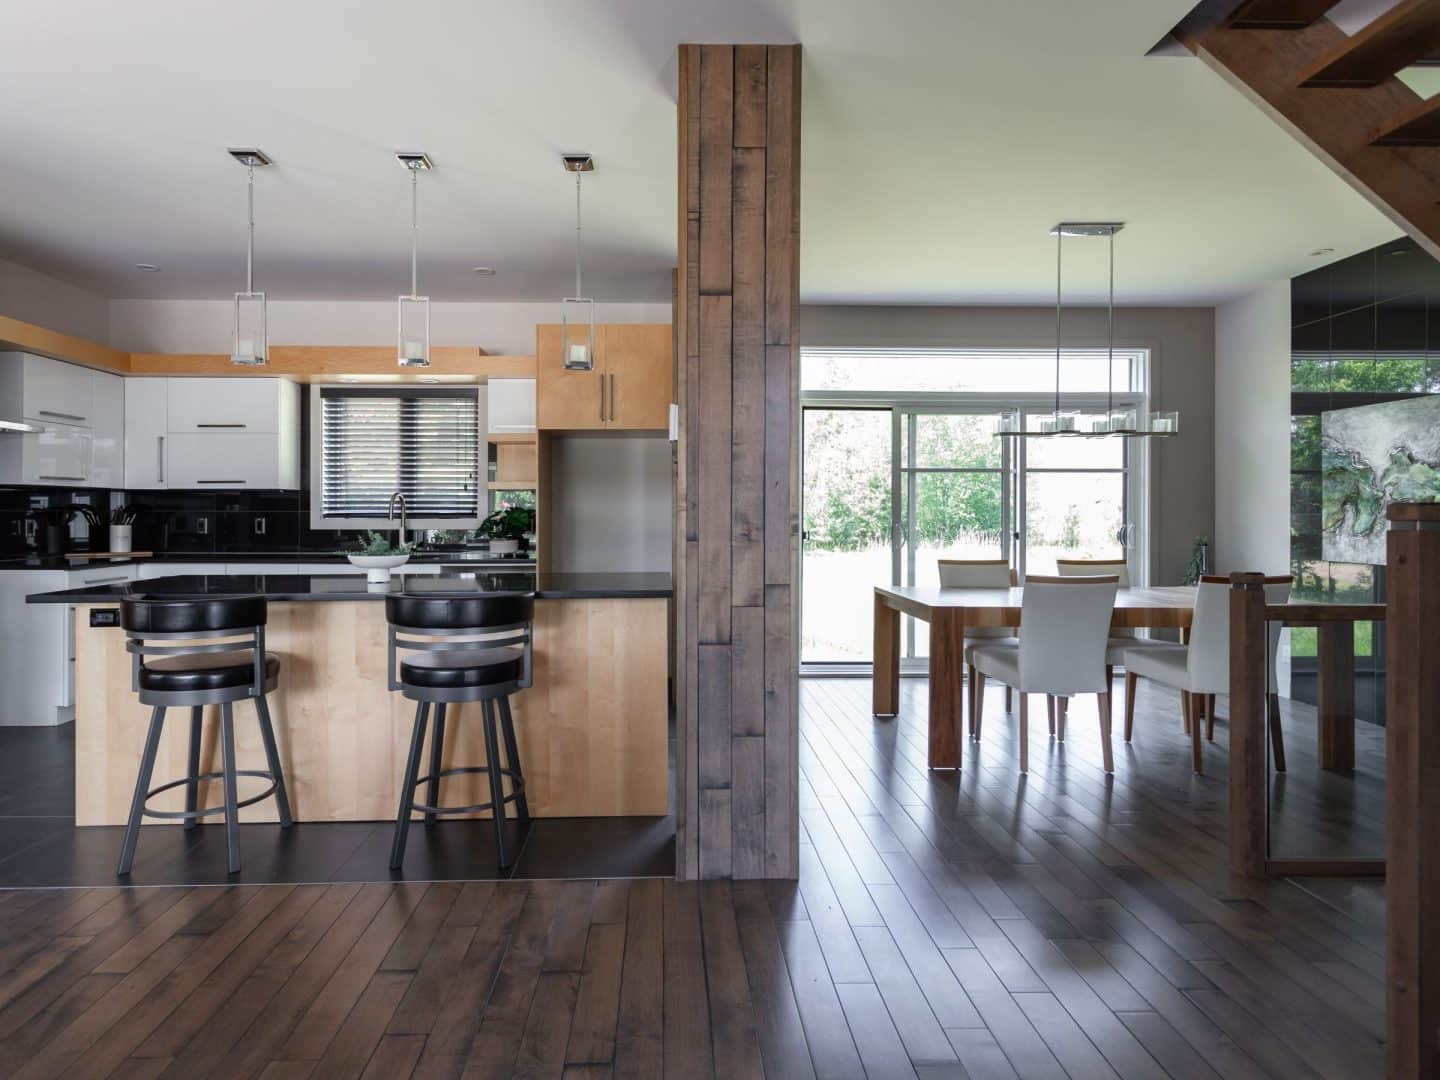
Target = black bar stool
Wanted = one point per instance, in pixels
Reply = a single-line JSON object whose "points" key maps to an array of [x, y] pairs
{"points": [[224, 662], [483, 654]]}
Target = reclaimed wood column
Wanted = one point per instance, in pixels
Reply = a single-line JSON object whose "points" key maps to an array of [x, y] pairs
{"points": [[737, 475], [1412, 786], [1248, 692]]}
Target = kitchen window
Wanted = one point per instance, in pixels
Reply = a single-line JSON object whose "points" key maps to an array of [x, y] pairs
{"points": [[366, 443]]}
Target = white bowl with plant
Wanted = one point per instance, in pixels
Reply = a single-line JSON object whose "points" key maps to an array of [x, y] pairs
{"points": [[378, 556]]}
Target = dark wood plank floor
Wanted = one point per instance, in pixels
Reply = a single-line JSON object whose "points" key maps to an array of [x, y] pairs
{"points": [[979, 924]]}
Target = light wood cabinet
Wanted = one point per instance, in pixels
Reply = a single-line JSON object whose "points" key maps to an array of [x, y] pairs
{"points": [[629, 389]]}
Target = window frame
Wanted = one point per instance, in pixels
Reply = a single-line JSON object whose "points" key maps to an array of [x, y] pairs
{"points": [[316, 462]]}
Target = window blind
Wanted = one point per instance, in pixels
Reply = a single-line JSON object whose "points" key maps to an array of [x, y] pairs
{"points": [[423, 444]]}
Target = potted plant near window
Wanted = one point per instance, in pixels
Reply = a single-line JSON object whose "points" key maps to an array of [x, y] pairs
{"points": [[508, 529], [378, 556]]}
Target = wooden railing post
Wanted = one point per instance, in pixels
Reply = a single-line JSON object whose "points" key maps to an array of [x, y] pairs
{"points": [[1412, 783], [1247, 724]]}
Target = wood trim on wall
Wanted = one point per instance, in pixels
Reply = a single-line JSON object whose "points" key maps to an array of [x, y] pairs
{"points": [[26, 337], [737, 469]]}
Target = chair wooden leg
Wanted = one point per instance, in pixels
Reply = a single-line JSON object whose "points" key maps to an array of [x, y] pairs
{"points": [[970, 705], [1049, 712], [1131, 681], [1009, 699], [1109, 680], [1062, 708], [1105, 732], [1210, 717], [1024, 732], [1277, 736], [977, 696], [1185, 709], [1192, 713]]}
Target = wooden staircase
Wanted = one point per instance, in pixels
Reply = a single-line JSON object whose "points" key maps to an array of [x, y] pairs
{"points": [[1338, 93]]}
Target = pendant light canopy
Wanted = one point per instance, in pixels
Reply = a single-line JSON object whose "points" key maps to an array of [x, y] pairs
{"points": [[413, 312], [249, 342], [1122, 421], [577, 313]]}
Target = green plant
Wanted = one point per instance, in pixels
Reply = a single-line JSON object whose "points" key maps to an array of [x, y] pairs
{"points": [[511, 523], [1199, 558], [378, 544]]}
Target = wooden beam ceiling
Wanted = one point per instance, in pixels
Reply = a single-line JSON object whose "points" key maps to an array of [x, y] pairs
{"points": [[1278, 14], [1408, 32], [1418, 127]]}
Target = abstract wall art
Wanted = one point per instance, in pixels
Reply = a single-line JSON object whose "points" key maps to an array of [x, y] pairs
{"points": [[1372, 456]]}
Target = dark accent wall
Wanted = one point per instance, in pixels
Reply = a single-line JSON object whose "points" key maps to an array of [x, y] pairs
{"points": [[1363, 330]]}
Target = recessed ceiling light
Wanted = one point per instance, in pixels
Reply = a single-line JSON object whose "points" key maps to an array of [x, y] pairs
{"points": [[484, 271], [1321, 251], [149, 268], [429, 379]]}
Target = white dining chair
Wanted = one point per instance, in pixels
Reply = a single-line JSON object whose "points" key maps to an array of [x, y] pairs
{"points": [[1064, 623], [1198, 670], [979, 574], [1122, 638]]}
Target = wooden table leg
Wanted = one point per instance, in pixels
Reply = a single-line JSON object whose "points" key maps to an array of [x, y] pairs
{"points": [[947, 679], [1336, 716], [886, 680]]}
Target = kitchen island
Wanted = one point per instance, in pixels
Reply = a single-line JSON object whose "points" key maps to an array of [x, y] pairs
{"points": [[593, 729]]}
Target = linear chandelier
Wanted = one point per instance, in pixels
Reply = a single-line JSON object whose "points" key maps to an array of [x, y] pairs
{"points": [[577, 313], [1124, 421], [412, 349]]}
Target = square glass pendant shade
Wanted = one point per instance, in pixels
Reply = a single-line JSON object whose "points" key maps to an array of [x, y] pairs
{"points": [[1165, 423], [249, 345], [577, 334], [413, 345]]}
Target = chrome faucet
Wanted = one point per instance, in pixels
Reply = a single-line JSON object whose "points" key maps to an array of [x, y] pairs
{"points": [[390, 514]]}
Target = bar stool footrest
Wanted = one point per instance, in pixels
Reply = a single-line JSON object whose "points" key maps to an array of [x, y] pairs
{"points": [[185, 815], [424, 808]]}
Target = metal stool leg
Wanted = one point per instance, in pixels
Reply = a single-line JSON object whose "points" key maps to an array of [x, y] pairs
{"points": [[407, 788], [437, 748], [272, 755], [497, 784], [192, 789], [142, 786], [232, 797], [512, 756]]}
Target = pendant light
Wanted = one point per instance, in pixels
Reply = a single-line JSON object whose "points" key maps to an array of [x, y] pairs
{"points": [[577, 313], [249, 342], [1121, 421], [413, 312]]}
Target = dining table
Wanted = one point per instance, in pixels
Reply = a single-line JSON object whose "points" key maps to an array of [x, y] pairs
{"points": [[950, 612]]}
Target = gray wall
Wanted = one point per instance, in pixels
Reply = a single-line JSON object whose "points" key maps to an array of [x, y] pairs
{"points": [[609, 503], [1182, 376]]}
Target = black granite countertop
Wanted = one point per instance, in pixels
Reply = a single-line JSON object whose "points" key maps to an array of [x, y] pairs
{"points": [[80, 561], [300, 587]]}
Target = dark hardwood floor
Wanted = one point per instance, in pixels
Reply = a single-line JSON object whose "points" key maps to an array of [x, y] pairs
{"points": [[977, 924]]}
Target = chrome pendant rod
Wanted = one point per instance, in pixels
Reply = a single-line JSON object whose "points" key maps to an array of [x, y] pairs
{"points": [[578, 291], [1059, 240], [414, 232], [250, 243], [1110, 350]]}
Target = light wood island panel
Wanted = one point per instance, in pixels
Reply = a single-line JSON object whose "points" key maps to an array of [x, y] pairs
{"points": [[593, 729]]}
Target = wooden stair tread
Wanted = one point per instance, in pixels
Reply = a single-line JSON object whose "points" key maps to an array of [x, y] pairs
{"points": [[1278, 14], [1418, 127], [1408, 32]]}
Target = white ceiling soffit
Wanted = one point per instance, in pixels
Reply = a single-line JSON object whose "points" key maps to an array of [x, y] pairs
{"points": [[941, 141]]}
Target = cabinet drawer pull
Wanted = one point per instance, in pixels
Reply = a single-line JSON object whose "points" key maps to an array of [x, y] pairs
{"points": [[160, 453], [79, 478], [231, 482], [220, 425], [612, 399], [103, 581], [602, 398], [59, 415]]}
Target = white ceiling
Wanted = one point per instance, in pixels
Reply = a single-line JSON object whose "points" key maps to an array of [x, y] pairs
{"points": [[942, 138]]}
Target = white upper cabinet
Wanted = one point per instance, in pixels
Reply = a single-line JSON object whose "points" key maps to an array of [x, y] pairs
{"points": [[146, 428], [107, 429], [512, 406], [245, 404], [55, 392], [60, 397]]}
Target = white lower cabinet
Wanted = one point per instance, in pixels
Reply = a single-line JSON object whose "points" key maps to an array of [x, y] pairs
{"points": [[224, 461], [150, 570]]}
